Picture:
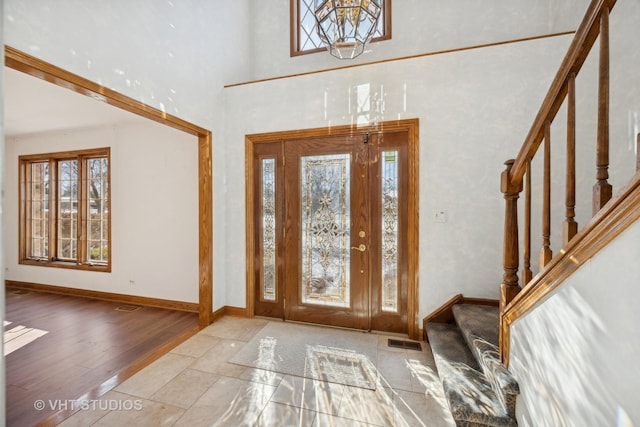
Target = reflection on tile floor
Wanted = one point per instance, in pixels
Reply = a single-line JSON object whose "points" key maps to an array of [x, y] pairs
{"points": [[195, 385]]}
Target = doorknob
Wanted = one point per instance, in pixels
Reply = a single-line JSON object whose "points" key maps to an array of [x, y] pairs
{"points": [[360, 248]]}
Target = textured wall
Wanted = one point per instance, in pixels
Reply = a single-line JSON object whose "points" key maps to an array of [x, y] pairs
{"points": [[418, 26], [575, 355], [474, 107]]}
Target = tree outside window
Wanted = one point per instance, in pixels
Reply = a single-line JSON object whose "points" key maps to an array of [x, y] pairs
{"points": [[64, 210]]}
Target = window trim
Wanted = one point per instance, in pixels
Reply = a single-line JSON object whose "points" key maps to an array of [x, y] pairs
{"points": [[295, 26], [24, 234]]}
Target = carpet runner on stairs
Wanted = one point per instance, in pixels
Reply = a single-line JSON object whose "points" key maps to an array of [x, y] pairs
{"points": [[480, 391]]}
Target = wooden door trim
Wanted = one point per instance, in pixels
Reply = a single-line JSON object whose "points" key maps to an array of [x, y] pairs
{"points": [[411, 126], [35, 67]]}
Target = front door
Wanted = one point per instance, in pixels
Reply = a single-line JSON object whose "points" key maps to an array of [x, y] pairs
{"points": [[332, 241]]}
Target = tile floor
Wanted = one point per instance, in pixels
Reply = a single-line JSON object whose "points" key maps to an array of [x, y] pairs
{"points": [[195, 385]]}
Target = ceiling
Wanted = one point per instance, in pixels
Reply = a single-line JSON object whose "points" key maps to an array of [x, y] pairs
{"points": [[32, 106]]}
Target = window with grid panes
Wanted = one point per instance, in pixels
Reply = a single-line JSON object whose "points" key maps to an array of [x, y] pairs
{"points": [[64, 209], [304, 34]]}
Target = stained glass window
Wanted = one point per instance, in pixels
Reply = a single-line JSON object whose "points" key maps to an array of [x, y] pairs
{"points": [[325, 211], [268, 229], [389, 231], [304, 26]]}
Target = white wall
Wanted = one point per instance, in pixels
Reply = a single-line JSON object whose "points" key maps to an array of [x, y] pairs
{"points": [[154, 223], [418, 26], [575, 355], [175, 56], [474, 107], [566, 14]]}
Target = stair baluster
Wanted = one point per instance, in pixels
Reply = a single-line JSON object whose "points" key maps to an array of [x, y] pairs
{"points": [[545, 252], [526, 267], [570, 227], [602, 190]]}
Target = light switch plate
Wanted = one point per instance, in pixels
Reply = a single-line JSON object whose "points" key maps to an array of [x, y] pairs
{"points": [[440, 215]]}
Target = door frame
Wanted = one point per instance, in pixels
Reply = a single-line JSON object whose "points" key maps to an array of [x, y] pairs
{"points": [[411, 126], [38, 68]]}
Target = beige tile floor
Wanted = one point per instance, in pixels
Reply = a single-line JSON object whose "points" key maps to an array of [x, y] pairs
{"points": [[195, 385]]}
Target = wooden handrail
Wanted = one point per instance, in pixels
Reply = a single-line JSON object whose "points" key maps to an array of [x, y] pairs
{"points": [[594, 25], [578, 51]]}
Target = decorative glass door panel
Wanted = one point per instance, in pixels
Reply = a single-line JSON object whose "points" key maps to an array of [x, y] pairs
{"points": [[331, 245], [326, 281], [389, 212], [268, 241], [268, 214], [389, 230], [325, 235]]}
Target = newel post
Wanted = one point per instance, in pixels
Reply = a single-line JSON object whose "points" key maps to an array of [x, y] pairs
{"points": [[509, 287]]}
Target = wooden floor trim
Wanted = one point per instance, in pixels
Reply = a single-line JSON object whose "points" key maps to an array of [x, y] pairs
{"points": [[444, 314], [481, 301], [402, 58], [105, 296], [228, 310]]}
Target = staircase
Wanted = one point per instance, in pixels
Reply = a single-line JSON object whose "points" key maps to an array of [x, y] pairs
{"points": [[480, 391]]}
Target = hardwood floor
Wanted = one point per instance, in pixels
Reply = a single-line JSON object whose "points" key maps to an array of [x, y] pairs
{"points": [[88, 349]]}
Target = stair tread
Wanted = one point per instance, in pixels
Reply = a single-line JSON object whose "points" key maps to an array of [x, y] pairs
{"points": [[472, 399], [478, 321], [448, 345], [469, 395]]}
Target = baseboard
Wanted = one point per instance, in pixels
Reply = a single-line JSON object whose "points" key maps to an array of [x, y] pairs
{"points": [[228, 311], [444, 314], [191, 307], [481, 301]]}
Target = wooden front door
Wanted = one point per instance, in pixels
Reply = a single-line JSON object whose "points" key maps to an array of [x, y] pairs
{"points": [[331, 242]]}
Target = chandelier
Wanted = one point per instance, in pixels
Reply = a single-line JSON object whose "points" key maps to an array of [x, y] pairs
{"points": [[346, 26]]}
